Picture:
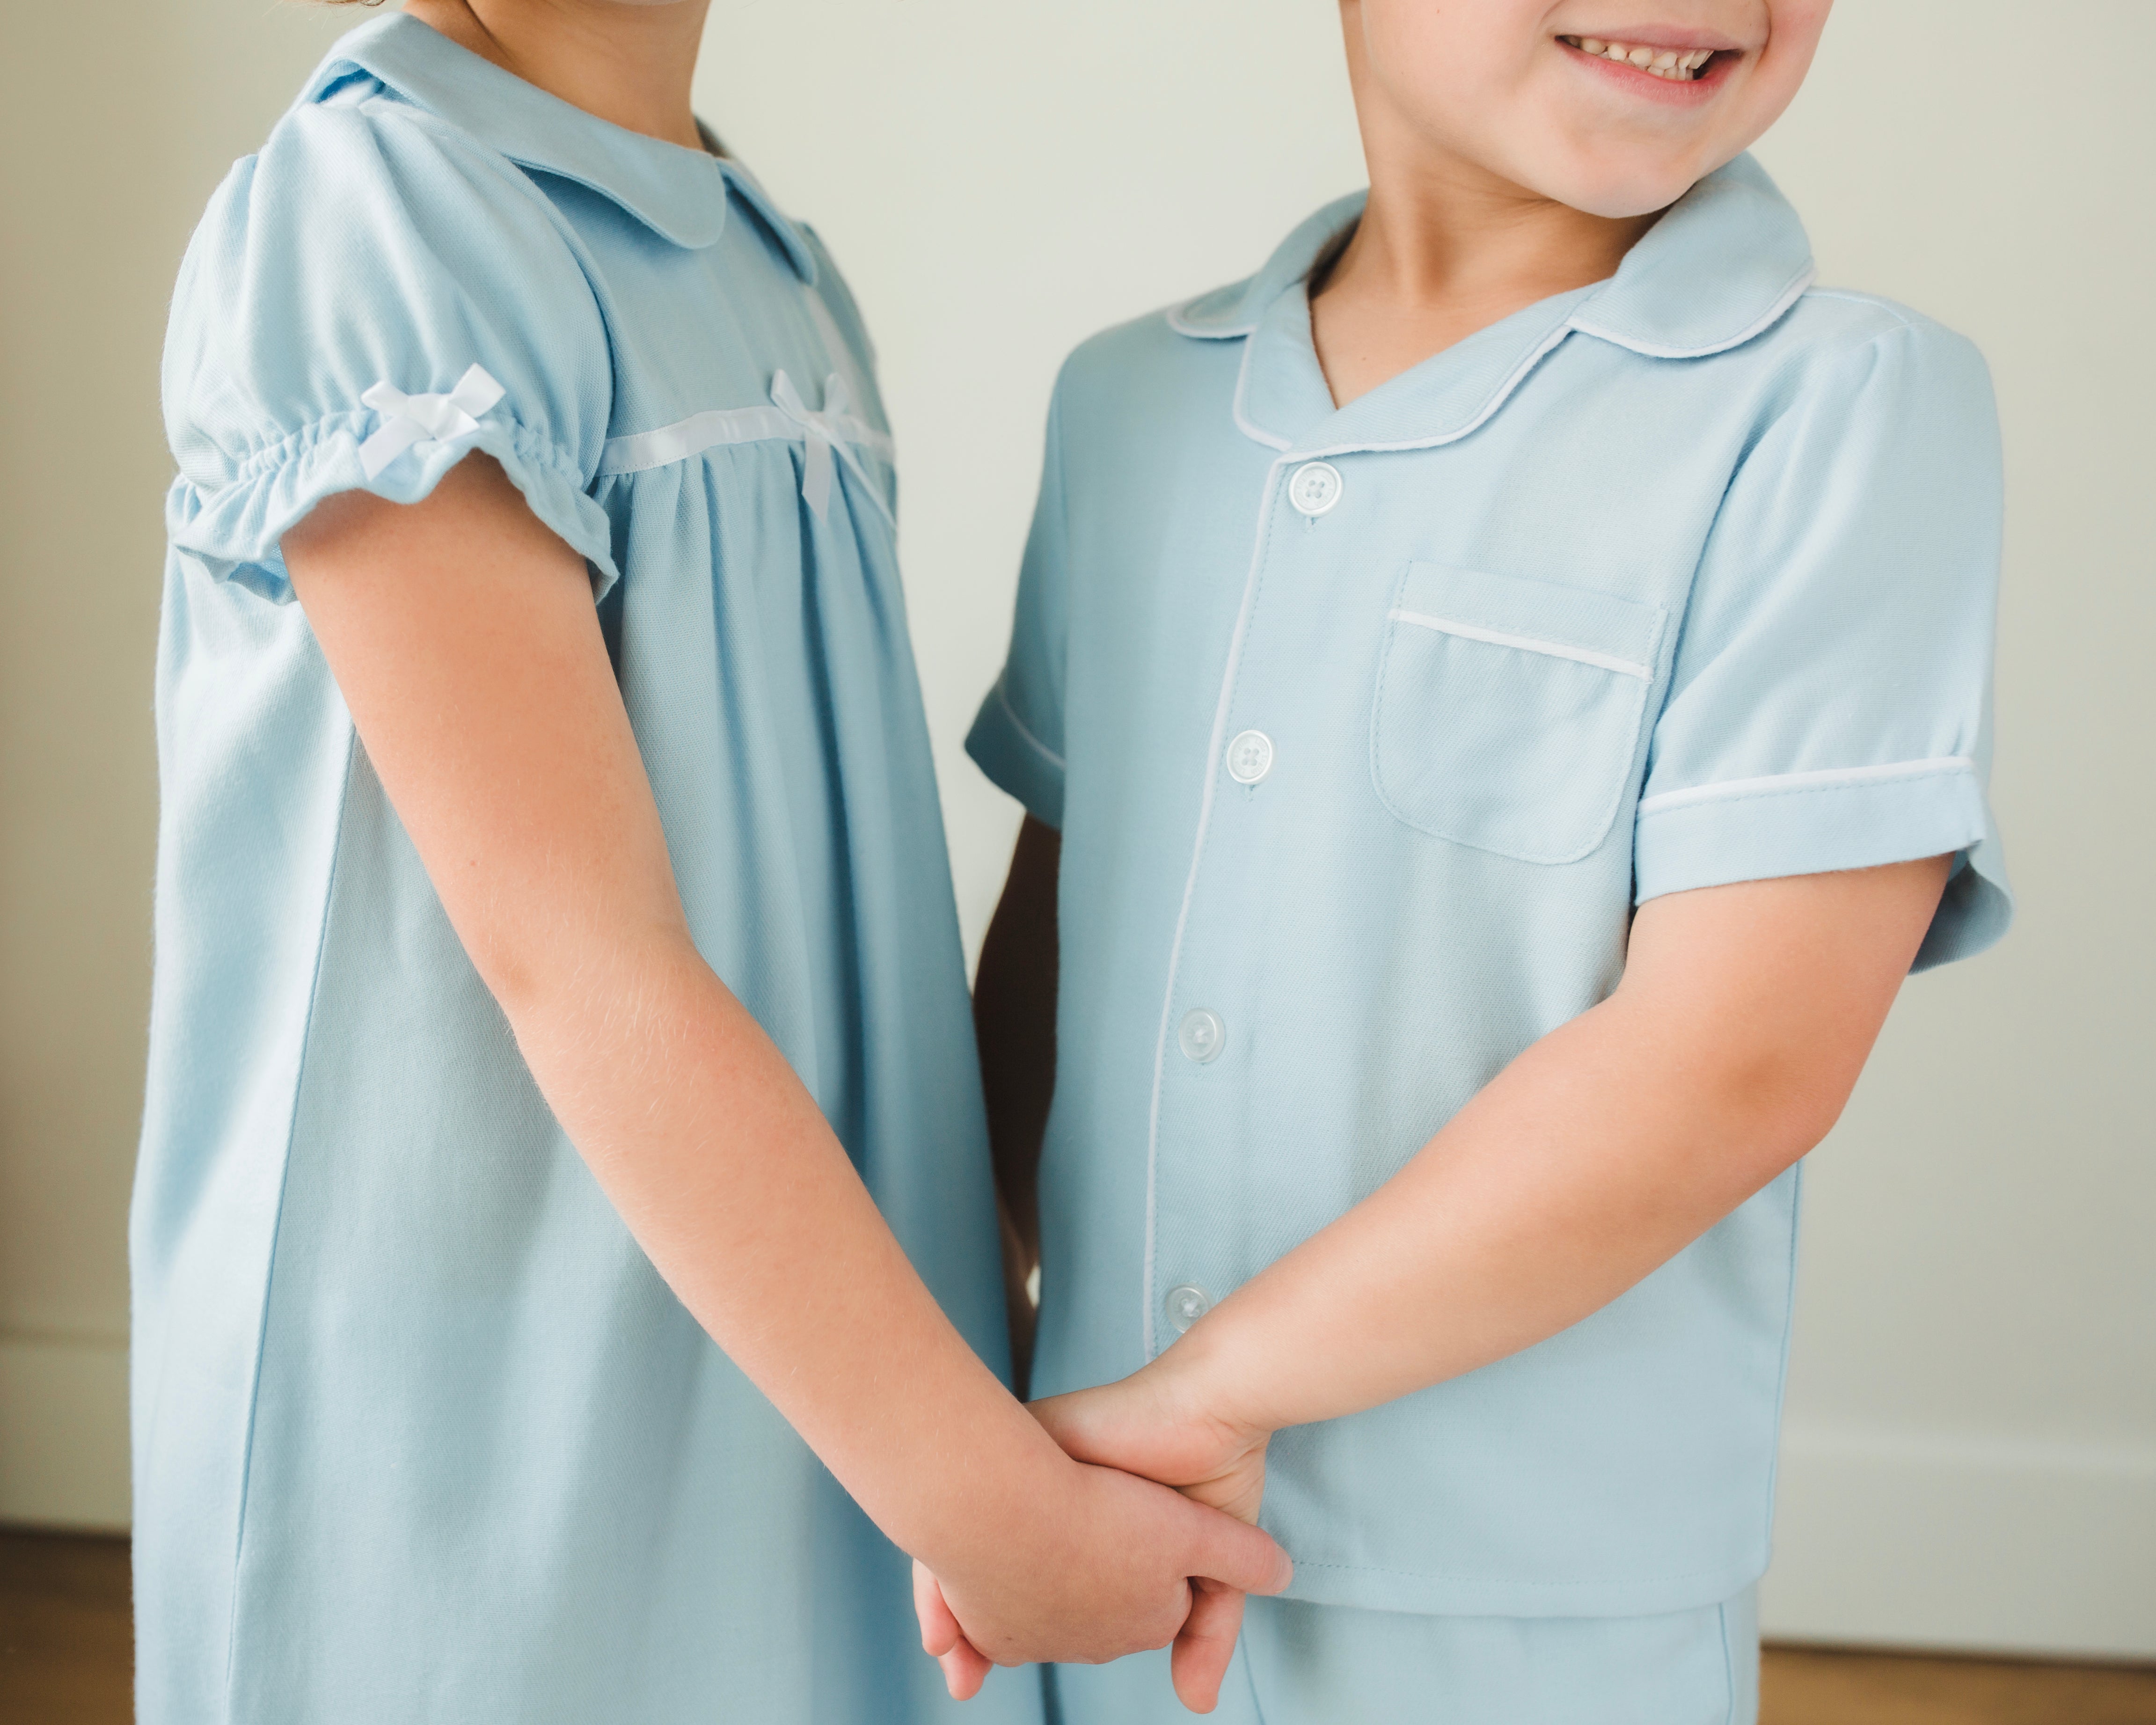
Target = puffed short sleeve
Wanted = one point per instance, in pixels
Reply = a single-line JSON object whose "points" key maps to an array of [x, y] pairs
{"points": [[1829, 704], [1018, 737], [366, 302]]}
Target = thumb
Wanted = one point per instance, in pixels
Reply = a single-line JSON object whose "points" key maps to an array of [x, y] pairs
{"points": [[939, 1625], [1236, 1554], [1204, 1644], [1078, 1424]]}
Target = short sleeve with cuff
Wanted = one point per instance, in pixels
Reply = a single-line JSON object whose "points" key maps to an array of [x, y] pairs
{"points": [[1017, 739], [1829, 703], [366, 302]]}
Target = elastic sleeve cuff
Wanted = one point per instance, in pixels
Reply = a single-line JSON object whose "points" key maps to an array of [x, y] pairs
{"points": [[234, 531], [1763, 833], [1015, 760]]}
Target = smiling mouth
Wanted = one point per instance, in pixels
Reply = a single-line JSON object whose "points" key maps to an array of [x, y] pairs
{"points": [[1679, 65]]}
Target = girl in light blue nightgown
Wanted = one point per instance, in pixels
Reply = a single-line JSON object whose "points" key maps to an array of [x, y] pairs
{"points": [[460, 877]]}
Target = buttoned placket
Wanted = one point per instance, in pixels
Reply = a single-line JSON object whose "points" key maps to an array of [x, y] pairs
{"points": [[1217, 1047], [1661, 304], [1212, 1044], [1215, 1040]]}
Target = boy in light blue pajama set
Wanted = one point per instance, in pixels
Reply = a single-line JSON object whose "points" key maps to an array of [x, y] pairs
{"points": [[1366, 729]]}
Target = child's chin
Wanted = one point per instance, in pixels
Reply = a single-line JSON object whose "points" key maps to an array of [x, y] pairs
{"points": [[1599, 192]]}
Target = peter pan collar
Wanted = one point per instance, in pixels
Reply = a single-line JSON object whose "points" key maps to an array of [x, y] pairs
{"points": [[1722, 266], [680, 194]]}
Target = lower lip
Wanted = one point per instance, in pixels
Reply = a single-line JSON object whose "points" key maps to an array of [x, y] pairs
{"points": [[1676, 92]]}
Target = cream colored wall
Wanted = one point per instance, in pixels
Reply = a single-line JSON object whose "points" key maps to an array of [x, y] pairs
{"points": [[115, 125], [1972, 1451], [1971, 1448]]}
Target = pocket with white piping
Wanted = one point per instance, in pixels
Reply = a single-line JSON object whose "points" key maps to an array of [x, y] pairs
{"points": [[1508, 712]]}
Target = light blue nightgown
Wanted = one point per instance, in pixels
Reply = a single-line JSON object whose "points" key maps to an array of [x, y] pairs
{"points": [[419, 1433]]}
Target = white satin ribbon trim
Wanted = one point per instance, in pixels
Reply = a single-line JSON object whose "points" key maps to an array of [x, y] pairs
{"points": [[406, 419], [835, 430], [819, 441]]}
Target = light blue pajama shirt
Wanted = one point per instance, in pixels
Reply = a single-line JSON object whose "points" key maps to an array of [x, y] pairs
{"points": [[419, 1433], [1365, 728]]}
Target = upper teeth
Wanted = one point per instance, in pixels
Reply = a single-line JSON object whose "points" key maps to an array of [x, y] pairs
{"points": [[1681, 65]]}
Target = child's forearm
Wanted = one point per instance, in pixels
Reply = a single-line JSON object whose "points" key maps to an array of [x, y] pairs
{"points": [[725, 1171], [731, 1180], [1744, 1017]]}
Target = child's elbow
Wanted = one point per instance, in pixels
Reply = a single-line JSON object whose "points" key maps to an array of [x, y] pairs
{"points": [[1785, 1101]]}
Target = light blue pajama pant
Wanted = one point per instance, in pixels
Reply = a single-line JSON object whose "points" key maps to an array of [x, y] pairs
{"points": [[1332, 1665]]}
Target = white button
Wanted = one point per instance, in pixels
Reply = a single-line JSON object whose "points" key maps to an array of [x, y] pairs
{"points": [[1250, 757], [1201, 1036], [1186, 1304], [1315, 487]]}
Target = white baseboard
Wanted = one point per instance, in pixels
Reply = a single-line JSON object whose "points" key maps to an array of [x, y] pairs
{"points": [[64, 1433], [1965, 1544]]}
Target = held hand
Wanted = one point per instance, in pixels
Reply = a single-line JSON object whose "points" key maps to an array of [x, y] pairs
{"points": [[1154, 1423], [1105, 1565]]}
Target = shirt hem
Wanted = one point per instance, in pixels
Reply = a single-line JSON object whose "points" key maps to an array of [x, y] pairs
{"points": [[1316, 1583]]}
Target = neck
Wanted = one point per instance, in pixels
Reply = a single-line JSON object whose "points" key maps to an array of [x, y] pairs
{"points": [[1446, 247], [630, 65], [1439, 226], [1431, 236]]}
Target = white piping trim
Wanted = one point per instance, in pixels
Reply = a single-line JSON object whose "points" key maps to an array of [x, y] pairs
{"points": [[1019, 725], [1504, 390], [640, 451], [1213, 748], [1788, 297], [1525, 643], [1827, 779]]}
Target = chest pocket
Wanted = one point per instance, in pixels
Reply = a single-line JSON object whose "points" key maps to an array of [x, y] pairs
{"points": [[1507, 713]]}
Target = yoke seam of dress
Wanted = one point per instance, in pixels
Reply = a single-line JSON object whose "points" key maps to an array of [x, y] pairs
{"points": [[716, 427], [277, 1221], [688, 439]]}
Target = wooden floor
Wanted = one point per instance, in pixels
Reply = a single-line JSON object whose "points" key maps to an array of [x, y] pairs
{"points": [[1810, 1685], [65, 1660], [67, 1643]]}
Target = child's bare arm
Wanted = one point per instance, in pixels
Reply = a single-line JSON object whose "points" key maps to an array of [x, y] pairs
{"points": [[463, 636], [1014, 1023], [1745, 1014]]}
